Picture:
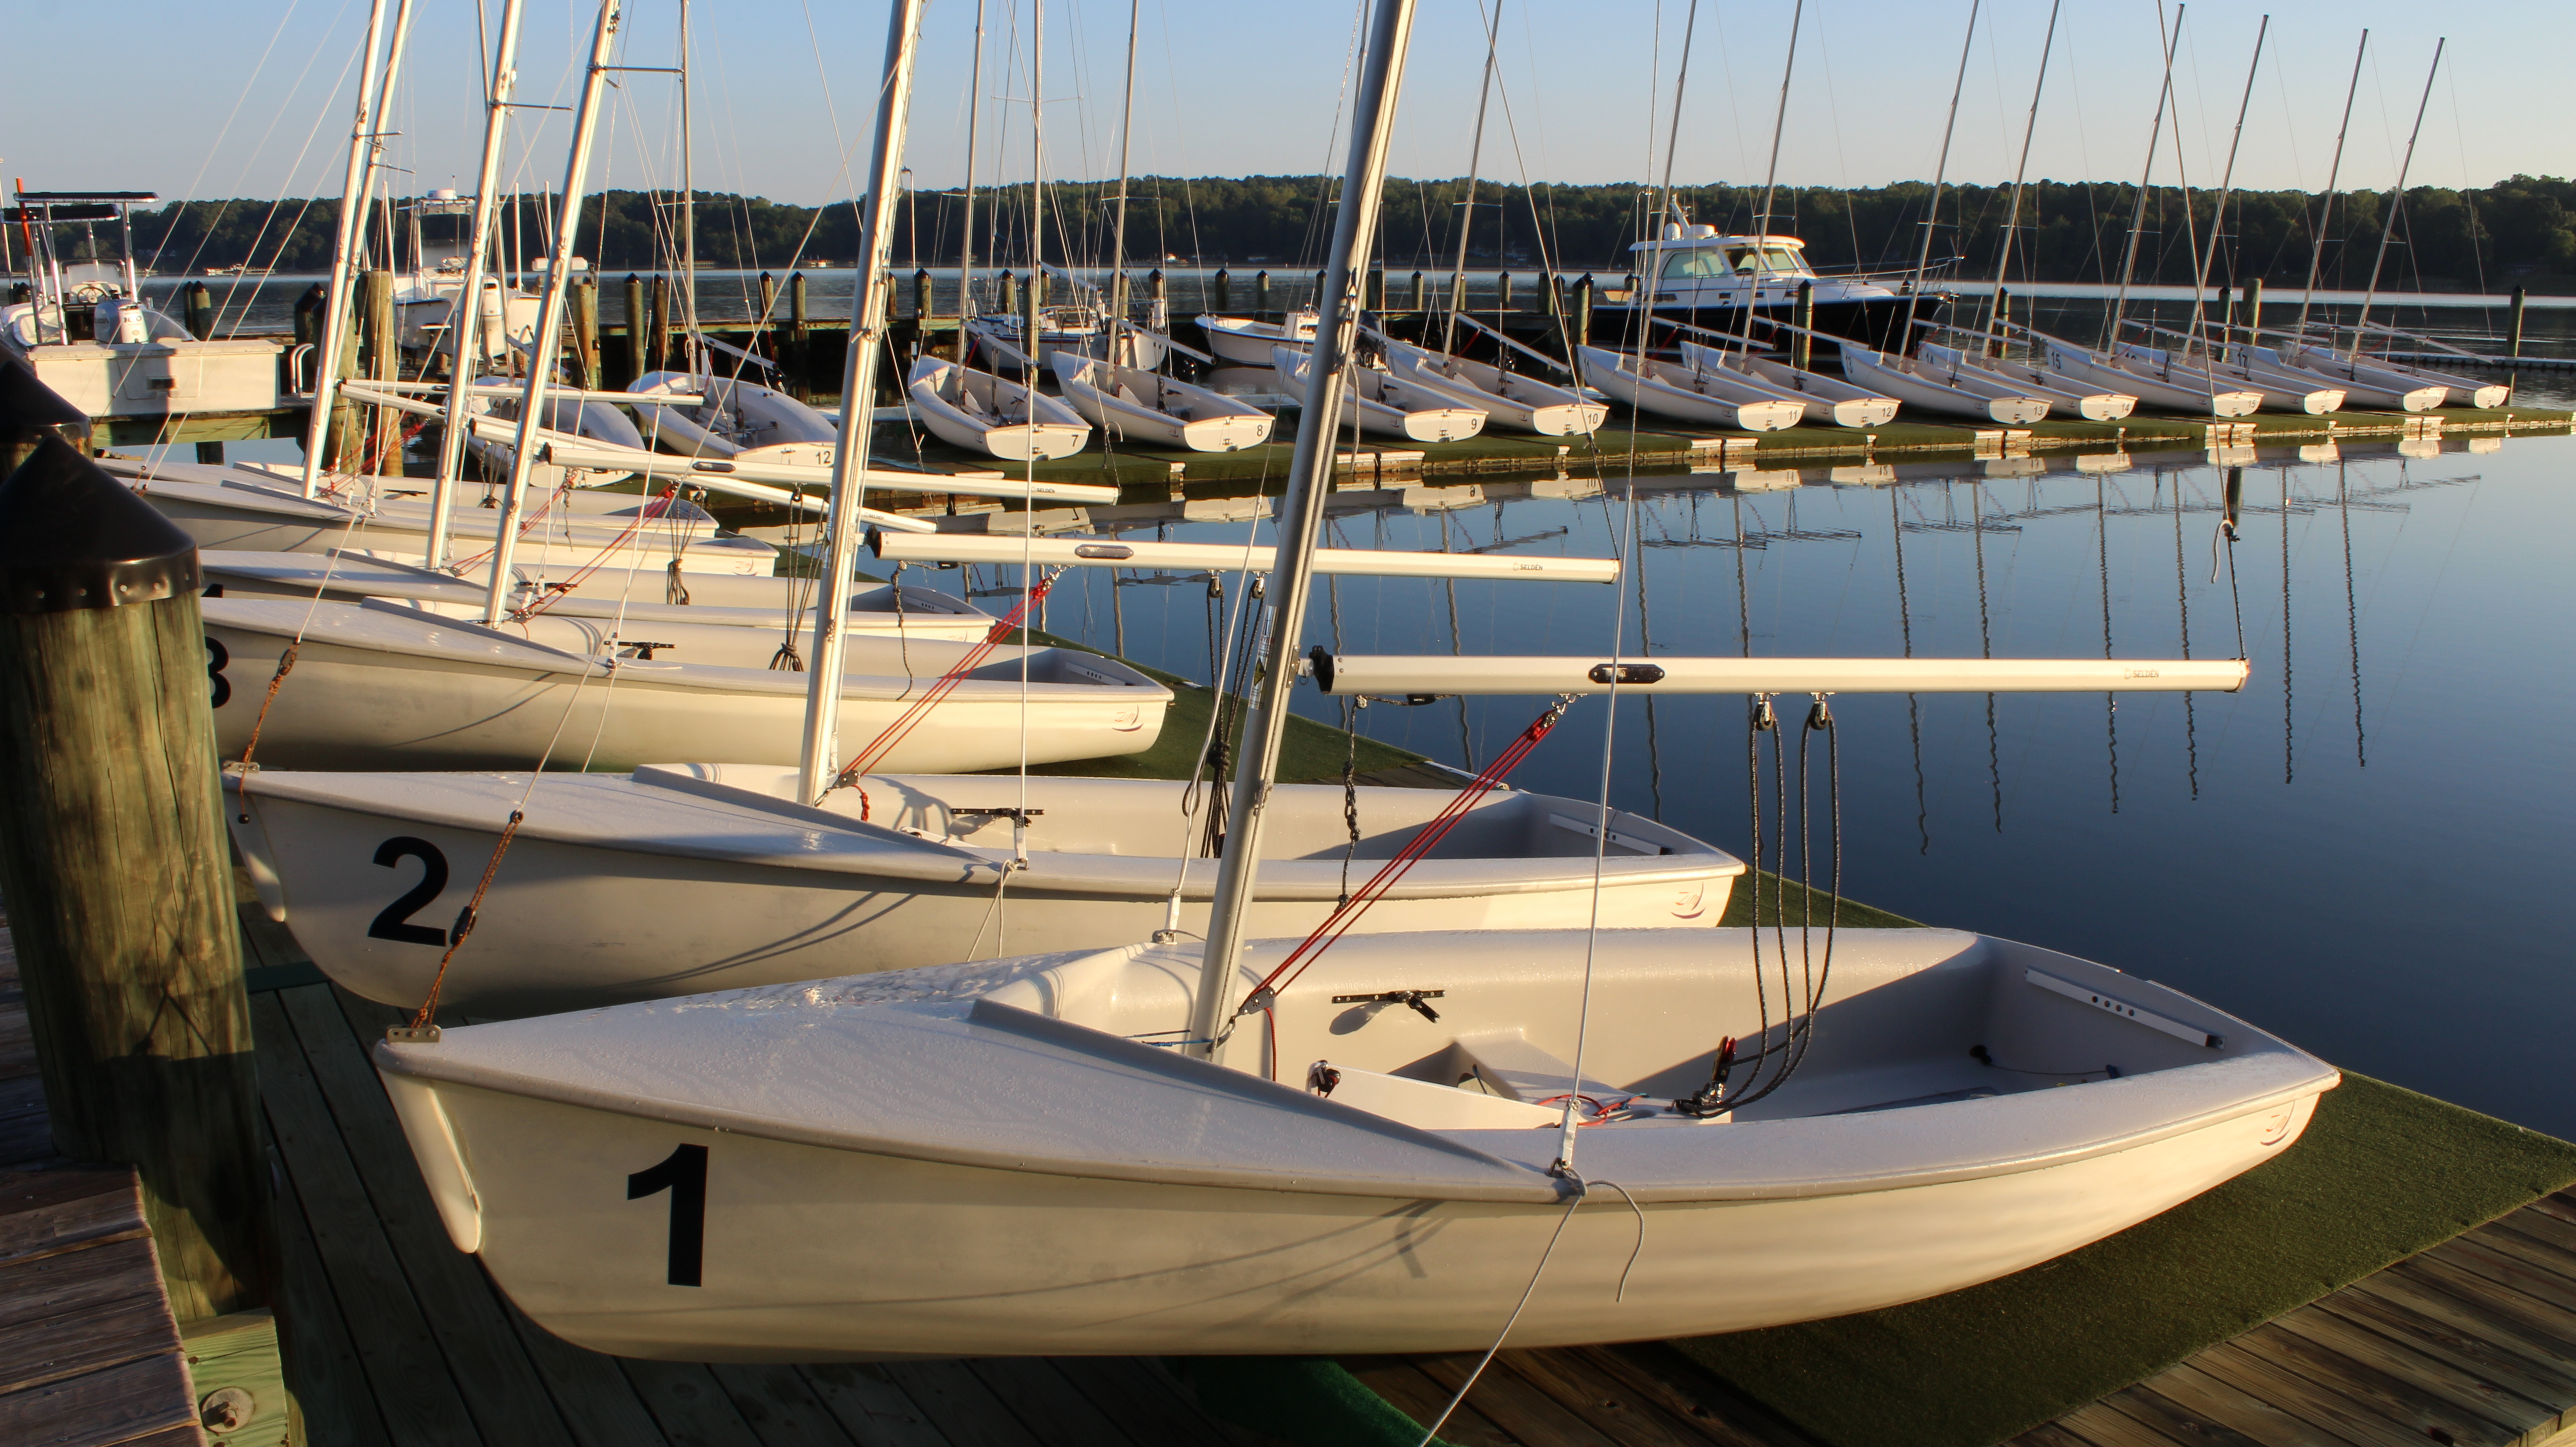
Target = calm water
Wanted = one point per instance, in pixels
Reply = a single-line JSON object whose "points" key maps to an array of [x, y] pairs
{"points": [[2362, 850]]}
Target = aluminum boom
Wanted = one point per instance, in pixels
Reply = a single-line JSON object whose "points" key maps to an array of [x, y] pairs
{"points": [[1443, 676], [1227, 558]]}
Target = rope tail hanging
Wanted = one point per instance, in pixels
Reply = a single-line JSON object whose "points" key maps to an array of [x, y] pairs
{"points": [[911, 718], [422, 1028], [1348, 913]]}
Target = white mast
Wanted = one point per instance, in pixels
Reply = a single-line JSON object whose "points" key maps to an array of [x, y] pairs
{"points": [[548, 339], [2155, 137], [1118, 232], [2021, 169], [1301, 515], [2226, 185], [2325, 212], [820, 758], [464, 331], [1475, 161], [1940, 173], [1770, 175], [966, 247], [356, 186], [2396, 199], [688, 213]]}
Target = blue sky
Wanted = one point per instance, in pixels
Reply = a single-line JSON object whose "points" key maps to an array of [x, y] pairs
{"points": [[260, 106]]}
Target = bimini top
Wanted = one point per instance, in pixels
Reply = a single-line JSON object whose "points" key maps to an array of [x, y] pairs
{"points": [[1701, 252]]}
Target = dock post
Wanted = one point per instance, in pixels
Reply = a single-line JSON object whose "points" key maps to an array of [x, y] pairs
{"points": [[635, 367], [1502, 294], [1221, 291], [799, 383], [585, 331], [2003, 319], [2254, 312], [200, 311], [1010, 287], [1802, 352], [1261, 293], [30, 412], [1414, 293], [1158, 295], [921, 294], [119, 883], [1551, 293], [382, 347], [2226, 321], [2513, 325], [1317, 295], [657, 353], [1583, 289]]}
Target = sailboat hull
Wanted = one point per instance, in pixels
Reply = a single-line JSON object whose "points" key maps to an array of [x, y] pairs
{"points": [[871, 1176]]}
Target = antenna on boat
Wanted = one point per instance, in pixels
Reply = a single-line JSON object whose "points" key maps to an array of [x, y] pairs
{"points": [[366, 150], [819, 756], [2325, 209], [2155, 137], [550, 314], [464, 328], [1940, 172], [1301, 516], [2396, 199]]}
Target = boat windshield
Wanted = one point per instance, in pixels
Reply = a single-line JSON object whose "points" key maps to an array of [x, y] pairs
{"points": [[1731, 261]]}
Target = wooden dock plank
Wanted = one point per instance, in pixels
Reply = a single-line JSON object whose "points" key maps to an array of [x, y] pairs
{"points": [[1514, 1403], [2528, 1267], [40, 1350], [500, 1387], [1688, 1394], [2538, 1225], [2492, 1296], [2450, 1329], [690, 1405], [2192, 1404], [2320, 1406], [782, 1410], [599, 1404], [1623, 1416], [1040, 1396], [2415, 1391], [2099, 1425], [114, 1406], [46, 1212], [26, 1133], [1417, 1396], [103, 1277], [2048, 1434], [959, 1404], [1153, 1408], [870, 1407], [322, 1361], [407, 1374]]}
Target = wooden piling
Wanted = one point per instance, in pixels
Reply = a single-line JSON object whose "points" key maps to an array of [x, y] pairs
{"points": [[1502, 293], [585, 331], [1802, 350], [30, 412], [199, 311], [1316, 297], [1261, 293], [635, 368], [657, 352], [2002, 320], [2513, 325], [799, 371], [1010, 293], [1413, 293], [921, 294], [1583, 290], [1551, 293], [1221, 291], [113, 858], [380, 344], [2254, 310], [1158, 293]]}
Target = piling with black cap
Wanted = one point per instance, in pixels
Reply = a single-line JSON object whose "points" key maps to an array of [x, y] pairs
{"points": [[112, 855], [30, 412]]}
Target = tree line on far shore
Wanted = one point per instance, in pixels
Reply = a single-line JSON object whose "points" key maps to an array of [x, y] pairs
{"points": [[2483, 238]]}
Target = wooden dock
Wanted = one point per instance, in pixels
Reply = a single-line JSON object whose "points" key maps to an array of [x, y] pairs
{"points": [[392, 1337]]}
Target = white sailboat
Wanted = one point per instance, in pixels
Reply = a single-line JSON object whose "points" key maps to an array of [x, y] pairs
{"points": [[682, 1179], [1854, 408], [1138, 406], [1248, 341], [729, 417], [2000, 377], [2377, 382], [1387, 405], [992, 415], [2283, 391], [2088, 370], [1919, 385], [1512, 399], [687, 878], [1666, 390]]}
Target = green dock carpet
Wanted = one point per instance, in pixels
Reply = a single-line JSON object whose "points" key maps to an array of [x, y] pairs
{"points": [[2381, 1174]]}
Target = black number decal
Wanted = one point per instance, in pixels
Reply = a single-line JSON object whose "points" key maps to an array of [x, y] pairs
{"points": [[394, 923], [683, 1173], [216, 657]]}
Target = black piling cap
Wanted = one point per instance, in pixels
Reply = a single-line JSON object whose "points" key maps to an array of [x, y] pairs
{"points": [[27, 405], [72, 537]]}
